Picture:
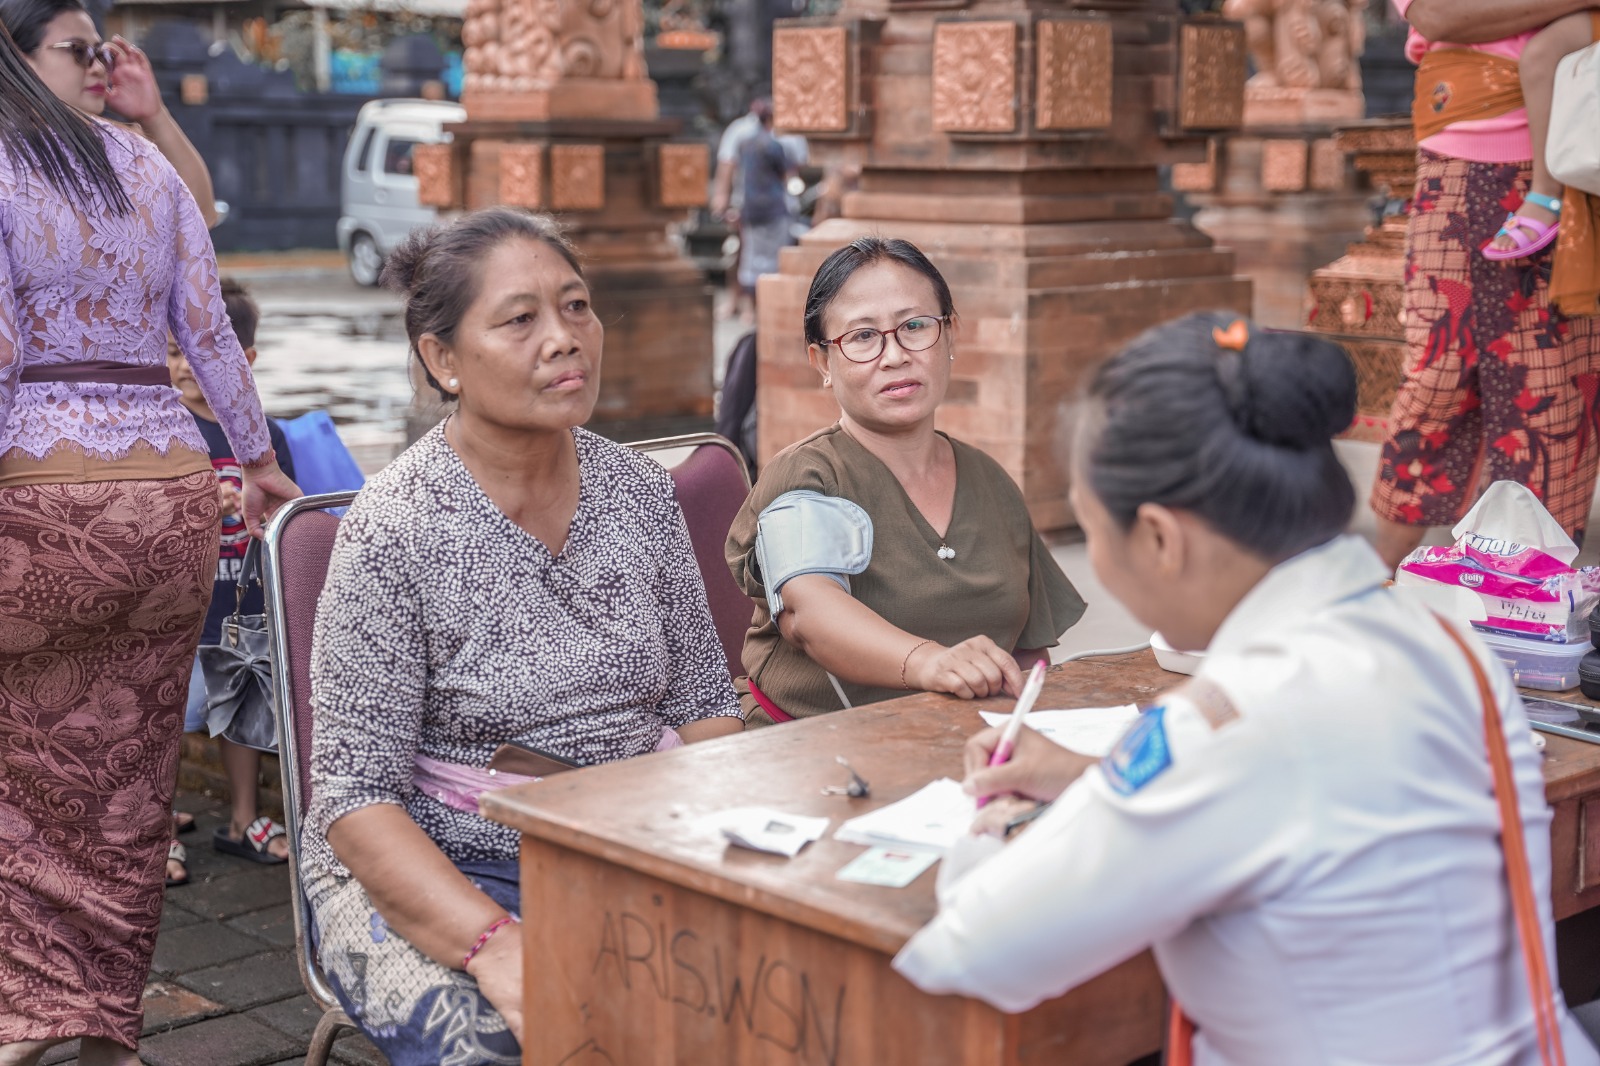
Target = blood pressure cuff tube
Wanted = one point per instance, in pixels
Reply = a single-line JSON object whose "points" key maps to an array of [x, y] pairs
{"points": [[805, 532]]}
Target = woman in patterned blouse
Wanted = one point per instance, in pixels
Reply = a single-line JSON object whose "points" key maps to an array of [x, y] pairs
{"points": [[510, 577]]}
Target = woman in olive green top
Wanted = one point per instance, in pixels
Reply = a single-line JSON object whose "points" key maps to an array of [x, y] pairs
{"points": [[960, 594]]}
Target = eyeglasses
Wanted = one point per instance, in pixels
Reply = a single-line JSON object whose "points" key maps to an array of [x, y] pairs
{"points": [[86, 55], [914, 335]]}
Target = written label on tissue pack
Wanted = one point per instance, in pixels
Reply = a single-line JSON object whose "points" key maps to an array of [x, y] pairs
{"points": [[1524, 591]]}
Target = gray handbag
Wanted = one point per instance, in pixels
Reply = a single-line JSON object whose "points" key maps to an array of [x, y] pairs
{"points": [[238, 672]]}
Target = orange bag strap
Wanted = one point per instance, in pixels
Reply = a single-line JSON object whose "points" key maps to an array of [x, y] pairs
{"points": [[1523, 903], [1180, 1029]]}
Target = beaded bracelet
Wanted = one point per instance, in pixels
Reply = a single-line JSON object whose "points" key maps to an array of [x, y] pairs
{"points": [[484, 939], [907, 661]]}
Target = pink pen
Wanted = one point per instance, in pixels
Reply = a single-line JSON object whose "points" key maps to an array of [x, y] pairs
{"points": [[1008, 736]]}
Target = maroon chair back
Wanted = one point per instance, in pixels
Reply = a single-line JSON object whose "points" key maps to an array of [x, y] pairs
{"points": [[307, 544], [711, 487]]}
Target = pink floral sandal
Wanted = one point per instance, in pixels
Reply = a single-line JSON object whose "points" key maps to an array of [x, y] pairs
{"points": [[1528, 236], [256, 843]]}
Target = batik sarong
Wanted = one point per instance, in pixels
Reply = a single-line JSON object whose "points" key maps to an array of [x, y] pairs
{"points": [[416, 1011], [1500, 386], [103, 589]]}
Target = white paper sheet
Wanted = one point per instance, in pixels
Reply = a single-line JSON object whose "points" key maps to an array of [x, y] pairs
{"points": [[1092, 731], [932, 819], [764, 829]]}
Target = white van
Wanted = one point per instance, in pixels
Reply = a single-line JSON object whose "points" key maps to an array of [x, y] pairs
{"points": [[378, 192]]}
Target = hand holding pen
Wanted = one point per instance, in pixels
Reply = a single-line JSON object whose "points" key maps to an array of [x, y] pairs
{"points": [[1008, 736]]}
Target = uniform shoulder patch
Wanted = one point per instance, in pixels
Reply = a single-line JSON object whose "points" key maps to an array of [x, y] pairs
{"points": [[1210, 700], [1141, 755]]}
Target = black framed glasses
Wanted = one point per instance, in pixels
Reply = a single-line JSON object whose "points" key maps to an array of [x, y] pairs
{"points": [[864, 344], [85, 54]]}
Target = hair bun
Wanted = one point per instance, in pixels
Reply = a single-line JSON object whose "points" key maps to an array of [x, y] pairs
{"points": [[400, 267], [1299, 389]]}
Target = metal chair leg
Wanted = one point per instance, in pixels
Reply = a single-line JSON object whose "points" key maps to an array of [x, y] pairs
{"points": [[323, 1036]]}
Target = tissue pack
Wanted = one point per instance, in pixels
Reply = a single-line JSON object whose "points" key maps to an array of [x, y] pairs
{"points": [[1525, 592]]}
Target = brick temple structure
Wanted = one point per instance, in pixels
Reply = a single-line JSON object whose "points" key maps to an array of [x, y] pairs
{"points": [[1281, 194], [1357, 299], [562, 117], [1018, 143]]}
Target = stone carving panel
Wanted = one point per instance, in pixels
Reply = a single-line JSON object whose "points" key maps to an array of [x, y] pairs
{"points": [[522, 175], [1327, 166], [1074, 65], [577, 177], [434, 166], [1283, 165], [518, 46], [810, 79], [1303, 44], [975, 77], [1211, 75], [685, 175]]}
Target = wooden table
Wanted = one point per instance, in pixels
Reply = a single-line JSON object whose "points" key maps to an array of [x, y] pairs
{"points": [[651, 942]]}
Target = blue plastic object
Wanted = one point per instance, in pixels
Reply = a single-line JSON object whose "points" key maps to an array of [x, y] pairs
{"points": [[321, 461]]}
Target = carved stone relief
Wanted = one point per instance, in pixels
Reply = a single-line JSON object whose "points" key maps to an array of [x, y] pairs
{"points": [[1283, 165], [1211, 74], [685, 175], [975, 77], [434, 166], [1303, 44], [515, 46], [577, 177], [1074, 61], [522, 175], [810, 72]]}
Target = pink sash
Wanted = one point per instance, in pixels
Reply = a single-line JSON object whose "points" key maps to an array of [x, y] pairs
{"points": [[459, 787]]}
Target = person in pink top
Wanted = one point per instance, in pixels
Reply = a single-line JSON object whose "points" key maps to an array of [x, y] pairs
{"points": [[108, 546], [1500, 383]]}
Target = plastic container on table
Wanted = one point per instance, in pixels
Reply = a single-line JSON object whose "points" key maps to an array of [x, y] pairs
{"points": [[1538, 664]]}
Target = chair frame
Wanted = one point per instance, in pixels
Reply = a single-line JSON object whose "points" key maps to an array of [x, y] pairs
{"points": [[315, 981], [695, 440], [312, 977]]}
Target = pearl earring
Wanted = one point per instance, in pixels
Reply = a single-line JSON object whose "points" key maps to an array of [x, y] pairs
{"points": [[827, 382], [452, 384]]}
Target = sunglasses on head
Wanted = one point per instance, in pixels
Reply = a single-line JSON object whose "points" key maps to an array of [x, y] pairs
{"points": [[85, 54]]}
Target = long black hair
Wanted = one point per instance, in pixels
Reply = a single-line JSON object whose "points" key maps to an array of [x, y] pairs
{"points": [[1213, 415], [41, 132], [841, 266], [26, 20]]}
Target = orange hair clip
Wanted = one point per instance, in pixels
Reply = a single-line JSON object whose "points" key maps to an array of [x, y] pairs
{"points": [[1234, 338]]}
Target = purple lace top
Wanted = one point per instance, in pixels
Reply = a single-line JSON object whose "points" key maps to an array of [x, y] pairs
{"points": [[77, 286]]}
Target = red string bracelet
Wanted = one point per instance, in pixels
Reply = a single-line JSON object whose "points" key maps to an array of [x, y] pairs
{"points": [[484, 939]]}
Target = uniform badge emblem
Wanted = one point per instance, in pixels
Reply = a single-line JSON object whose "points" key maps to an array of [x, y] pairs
{"points": [[1141, 754]]}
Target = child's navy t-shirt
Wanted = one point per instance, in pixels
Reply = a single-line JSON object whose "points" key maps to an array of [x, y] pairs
{"points": [[235, 538]]}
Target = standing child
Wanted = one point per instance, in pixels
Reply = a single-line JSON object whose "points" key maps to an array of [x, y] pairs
{"points": [[1536, 224], [249, 836]]}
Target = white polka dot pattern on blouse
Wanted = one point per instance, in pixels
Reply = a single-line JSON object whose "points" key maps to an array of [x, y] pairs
{"points": [[445, 629]]}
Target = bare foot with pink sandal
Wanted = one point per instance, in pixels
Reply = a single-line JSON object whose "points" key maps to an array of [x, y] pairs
{"points": [[1527, 231]]}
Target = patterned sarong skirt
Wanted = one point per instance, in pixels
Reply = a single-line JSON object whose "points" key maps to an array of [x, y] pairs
{"points": [[103, 591], [1499, 386]]}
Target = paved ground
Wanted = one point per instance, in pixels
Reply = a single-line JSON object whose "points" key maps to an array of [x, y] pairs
{"points": [[226, 990]]}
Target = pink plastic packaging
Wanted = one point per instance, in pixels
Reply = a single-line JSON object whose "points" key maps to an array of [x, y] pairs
{"points": [[1524, 591]]}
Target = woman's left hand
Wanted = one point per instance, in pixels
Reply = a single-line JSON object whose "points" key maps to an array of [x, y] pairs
{"points": [[266, 488], [132, 91]]}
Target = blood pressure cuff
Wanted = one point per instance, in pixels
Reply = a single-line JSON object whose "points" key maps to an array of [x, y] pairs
{"points": [[805, 532]]}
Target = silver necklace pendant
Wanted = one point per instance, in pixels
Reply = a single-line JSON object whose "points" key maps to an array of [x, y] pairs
{"points": [[946, 552]]}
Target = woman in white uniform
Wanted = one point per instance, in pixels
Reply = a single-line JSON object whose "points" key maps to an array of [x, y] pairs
{"points": [[1306, 832]]}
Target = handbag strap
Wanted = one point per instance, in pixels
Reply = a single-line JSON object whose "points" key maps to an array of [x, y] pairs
{"points": [[249, 570], [1523, 902], [1524, 905]]}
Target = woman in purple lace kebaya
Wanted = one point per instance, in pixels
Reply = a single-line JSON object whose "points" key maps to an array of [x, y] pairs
{"points": [[108, 520]]}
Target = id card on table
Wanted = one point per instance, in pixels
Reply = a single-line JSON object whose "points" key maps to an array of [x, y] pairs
{"points": [[889, 867]]}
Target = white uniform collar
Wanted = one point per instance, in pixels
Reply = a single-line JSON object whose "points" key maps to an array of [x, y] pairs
{"points": [[1345, 566]]}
